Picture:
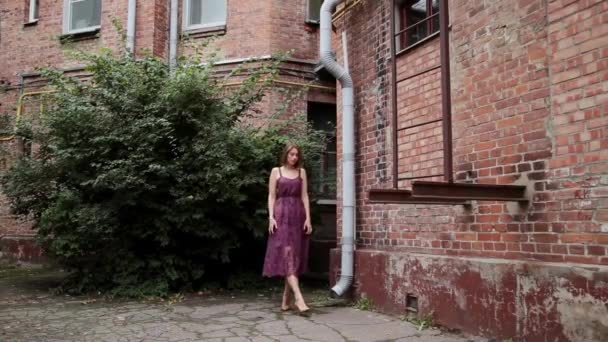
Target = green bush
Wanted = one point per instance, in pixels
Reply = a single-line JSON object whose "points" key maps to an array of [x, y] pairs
{"points": [[145, 181]]}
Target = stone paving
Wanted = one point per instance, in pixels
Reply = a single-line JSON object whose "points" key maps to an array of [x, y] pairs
{"points": [[29, 313]]}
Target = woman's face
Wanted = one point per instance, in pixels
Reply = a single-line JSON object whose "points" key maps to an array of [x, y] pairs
{"points": [[292, 157]]}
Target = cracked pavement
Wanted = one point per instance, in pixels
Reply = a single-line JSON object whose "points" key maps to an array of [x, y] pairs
{"points": [[29, 313]]}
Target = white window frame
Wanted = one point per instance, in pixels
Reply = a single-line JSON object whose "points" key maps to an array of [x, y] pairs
{"points": [[186, 16], [32, 18], [67, 16]]}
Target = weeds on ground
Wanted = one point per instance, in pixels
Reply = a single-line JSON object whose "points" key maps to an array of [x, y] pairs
{"points": [[422, 323], [364, 304]]}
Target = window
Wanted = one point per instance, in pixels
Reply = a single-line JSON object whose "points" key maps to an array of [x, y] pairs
{"points": [[81, 16], [33, 11], [313, 14], [417, 20], [322, 116], [204, 13]]}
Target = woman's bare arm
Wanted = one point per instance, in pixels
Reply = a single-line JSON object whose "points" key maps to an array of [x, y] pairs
{"points": [[306, 201], [272, 196]]}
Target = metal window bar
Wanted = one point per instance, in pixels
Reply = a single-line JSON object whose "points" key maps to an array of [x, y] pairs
{"points": [[419, 124], [425, 20], [419, 73], [420, 177]]}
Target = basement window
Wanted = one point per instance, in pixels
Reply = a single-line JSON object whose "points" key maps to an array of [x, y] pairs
{"points": [[411, 303], [81, 16], [417, 20], [203, 14], [313, 13]]}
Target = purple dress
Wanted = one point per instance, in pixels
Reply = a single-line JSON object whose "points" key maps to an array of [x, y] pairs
{"points": [[287, 249]]}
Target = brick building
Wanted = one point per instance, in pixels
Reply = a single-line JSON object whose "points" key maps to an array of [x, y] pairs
{"points": [[30, 32], [529, 109]]}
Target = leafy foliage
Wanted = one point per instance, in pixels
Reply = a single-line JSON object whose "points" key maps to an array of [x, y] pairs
{"points": [[423, 322], [145, 181]]}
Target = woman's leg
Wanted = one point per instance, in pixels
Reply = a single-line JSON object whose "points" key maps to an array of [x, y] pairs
{"points": [[286, 296], [295, 286]]}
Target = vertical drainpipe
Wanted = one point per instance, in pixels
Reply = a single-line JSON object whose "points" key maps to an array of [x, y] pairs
{"points": [[131, 15], [348, 147], [173, 35]]}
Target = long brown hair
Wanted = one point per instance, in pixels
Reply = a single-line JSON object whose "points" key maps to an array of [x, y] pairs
{"points": [[289, 147]]}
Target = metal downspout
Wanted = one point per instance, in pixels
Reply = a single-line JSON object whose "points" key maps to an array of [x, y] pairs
{"points": [[173, 35], [348, 147], [131, 15]]}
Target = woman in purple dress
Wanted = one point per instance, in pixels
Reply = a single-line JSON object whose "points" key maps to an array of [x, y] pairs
{"points": [[289, 226]]}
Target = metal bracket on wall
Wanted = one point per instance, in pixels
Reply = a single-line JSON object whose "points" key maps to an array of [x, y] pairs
{"points": [[466, 191], [424, 192], [399, 196]]}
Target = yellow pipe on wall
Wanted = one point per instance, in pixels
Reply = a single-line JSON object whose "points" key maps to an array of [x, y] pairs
{"points": [[340, 13], [299, 84], [20, 100], [20, 110]]}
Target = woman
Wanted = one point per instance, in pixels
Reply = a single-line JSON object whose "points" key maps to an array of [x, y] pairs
{"points": [[289, 226]]}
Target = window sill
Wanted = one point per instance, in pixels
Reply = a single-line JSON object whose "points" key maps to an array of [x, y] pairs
{"points": [[418, 43], [31, 23], [84, 35], [205, 32]]}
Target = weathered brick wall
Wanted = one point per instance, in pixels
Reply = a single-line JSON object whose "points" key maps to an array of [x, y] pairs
{"points": [[260, 28], [419, 104], [367, 27], [151, 30], [253, 29], [290, 31], [23, 48], [529, 107], [576, 187]]}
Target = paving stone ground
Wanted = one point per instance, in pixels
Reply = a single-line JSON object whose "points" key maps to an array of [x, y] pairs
{"points": [[29, 313]]}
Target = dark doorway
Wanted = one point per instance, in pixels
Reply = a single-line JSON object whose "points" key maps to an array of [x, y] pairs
{"points": [[322, 116]]}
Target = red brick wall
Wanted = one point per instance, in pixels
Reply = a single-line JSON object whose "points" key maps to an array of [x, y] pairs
{"points": [[290, 31], [24, 48], [419, 103], [529, 107], [253, 29], [259, 28], [152, 23]]}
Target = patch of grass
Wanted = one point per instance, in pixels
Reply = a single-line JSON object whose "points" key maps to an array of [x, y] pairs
{"points": [[422, 323], [319, 295], [364, 304], [321, 298]]}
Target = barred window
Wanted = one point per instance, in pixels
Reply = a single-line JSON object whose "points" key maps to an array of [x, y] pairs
{"points": [[417, 20]]}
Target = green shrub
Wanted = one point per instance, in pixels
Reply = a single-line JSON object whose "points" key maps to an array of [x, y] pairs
{"points": [[145, 181]]}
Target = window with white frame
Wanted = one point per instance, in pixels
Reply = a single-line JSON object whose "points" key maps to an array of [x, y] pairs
{"points": [[204, 13], [33, 11], [81, 15], [313, 13]]}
